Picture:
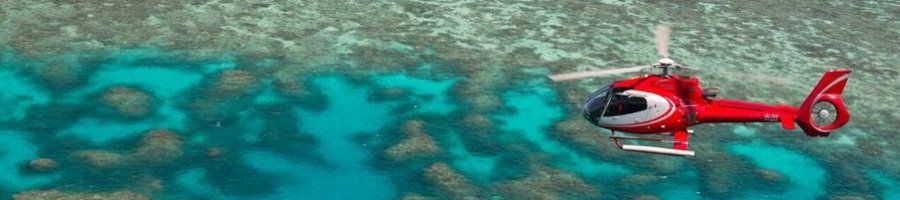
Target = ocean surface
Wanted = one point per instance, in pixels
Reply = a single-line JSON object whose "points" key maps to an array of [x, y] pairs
{"points": [[426, 99]]}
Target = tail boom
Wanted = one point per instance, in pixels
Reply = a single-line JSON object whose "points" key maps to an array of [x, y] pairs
{"points": [[828, 90]]}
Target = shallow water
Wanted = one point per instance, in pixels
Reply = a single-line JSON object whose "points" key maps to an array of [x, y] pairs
{"points": [[426, 100]]}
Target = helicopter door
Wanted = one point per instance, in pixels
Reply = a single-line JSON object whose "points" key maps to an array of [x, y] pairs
{"points": [[634, 108]]}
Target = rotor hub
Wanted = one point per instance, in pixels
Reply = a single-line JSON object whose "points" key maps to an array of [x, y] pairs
{"points": [[824, 113], [666, 61]]}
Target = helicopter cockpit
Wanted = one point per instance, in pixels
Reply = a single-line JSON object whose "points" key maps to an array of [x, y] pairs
{"points": [[624, 107], [609, 102]]}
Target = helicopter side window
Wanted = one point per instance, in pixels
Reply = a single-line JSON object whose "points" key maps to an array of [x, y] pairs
{"points": [[623, 105]]}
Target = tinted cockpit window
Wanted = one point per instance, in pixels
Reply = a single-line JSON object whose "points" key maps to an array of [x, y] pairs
{"points": [[622, 105]]}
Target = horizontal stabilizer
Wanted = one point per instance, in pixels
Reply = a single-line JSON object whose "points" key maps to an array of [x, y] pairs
{"points": [[658, 150]]}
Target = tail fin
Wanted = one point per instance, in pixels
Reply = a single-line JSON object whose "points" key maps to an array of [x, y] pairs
{"points": [[828, 91]]}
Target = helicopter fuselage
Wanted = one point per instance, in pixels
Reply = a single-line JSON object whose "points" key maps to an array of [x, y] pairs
{"points": [[665, 104], [670, 103]]}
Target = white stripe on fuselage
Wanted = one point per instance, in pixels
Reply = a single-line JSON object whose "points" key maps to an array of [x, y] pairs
{"points": [[654, 103]]}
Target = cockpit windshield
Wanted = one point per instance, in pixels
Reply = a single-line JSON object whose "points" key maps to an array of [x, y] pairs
{"points": [[597, 100], [607, 102]]}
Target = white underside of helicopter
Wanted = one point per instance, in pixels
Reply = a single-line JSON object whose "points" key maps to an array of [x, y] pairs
{"points": [[658, 109]]}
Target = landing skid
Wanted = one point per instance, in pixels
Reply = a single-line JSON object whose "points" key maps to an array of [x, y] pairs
{"points": [[679, 144]]}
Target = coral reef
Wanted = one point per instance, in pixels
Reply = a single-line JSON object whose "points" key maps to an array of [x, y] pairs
{"points": [[490, 46], [59, 195], [583, 136], [224, 95], [769, 175], [290, 82], [854, 197], [42, 165], [645, 197], [474, 94], [480, 135], [478, 122], [390, 93], [128, 101], [414, 196], [451, 183], [159, 146], [99, 159], [211, 110], [416, 144], [639, 180], [547, 184], [61, 75], [145, 184], [214, 152], [233, 83], [394, 92], [287, 81], [716, 175]]}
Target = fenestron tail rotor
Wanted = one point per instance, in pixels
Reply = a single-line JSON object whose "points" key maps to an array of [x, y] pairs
{"points": [[824, 113]]}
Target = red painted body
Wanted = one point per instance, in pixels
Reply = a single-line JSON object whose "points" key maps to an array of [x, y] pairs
{"points": [[691, 107]]}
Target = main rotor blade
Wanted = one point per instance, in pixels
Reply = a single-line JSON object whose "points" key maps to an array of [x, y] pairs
{"points": [[662, 40], [595, 73], [688, 68]]}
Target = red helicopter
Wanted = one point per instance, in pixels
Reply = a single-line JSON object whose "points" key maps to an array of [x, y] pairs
{"points": [[668, 104]]}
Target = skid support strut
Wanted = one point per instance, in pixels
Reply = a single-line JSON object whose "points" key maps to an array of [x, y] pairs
{"points": [[679, 144]]}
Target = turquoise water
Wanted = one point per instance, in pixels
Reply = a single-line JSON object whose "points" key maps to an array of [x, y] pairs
{"points": [[273, 145], [887, 185], [239, 100], [533, 111], [17, 149], [805, 175], [18, 95]]}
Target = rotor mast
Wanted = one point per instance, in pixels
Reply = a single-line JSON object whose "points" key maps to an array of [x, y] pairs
{"points": [[664, 64], [661, 38]]}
